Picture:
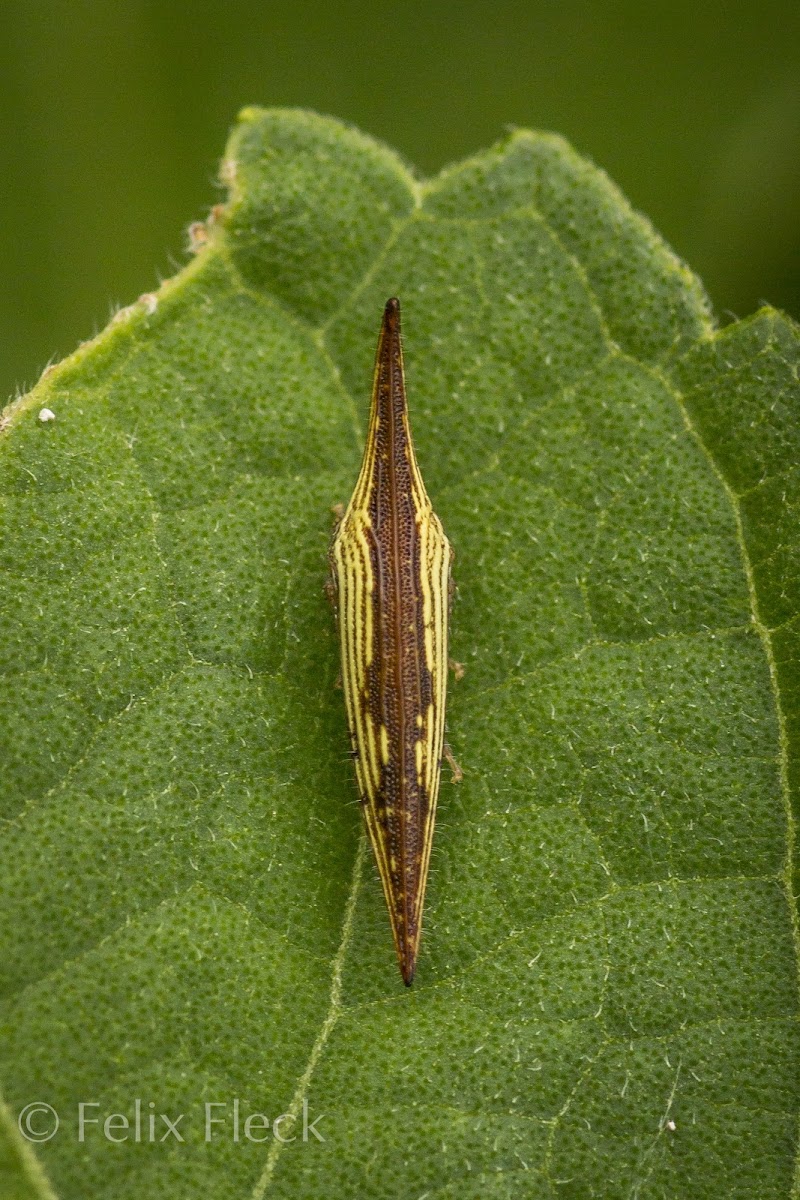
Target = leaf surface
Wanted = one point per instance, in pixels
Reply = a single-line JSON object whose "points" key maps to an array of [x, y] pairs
{"points": [[607, 998]]}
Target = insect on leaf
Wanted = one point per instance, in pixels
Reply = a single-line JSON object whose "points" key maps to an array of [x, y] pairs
{"points": [[391, 572]]}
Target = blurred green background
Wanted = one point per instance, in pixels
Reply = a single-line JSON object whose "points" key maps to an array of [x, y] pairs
{"points": [[115, 113]]}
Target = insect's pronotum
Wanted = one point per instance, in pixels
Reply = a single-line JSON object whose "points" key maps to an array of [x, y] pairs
{"points": [[390, 575]]}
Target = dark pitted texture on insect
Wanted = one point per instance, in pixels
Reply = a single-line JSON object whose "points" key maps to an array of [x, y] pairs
{"points": [[606, 999]]}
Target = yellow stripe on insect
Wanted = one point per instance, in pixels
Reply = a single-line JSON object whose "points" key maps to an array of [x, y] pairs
{"points": [[390, 574]]}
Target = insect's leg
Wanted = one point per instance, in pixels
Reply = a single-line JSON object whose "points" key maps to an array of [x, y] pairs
{"points": [[458, 774], [458, 671], [456, 667], [331, 583]]}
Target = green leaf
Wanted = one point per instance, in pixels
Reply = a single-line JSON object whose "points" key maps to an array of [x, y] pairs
{"points": [[607, 999], [21, 1175]]}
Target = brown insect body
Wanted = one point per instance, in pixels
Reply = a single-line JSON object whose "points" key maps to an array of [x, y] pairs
{"points": [[390, 564]]}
